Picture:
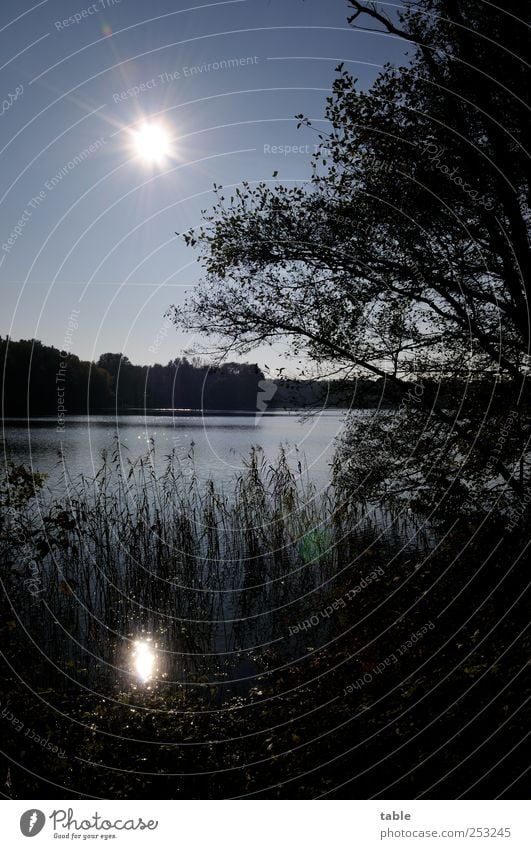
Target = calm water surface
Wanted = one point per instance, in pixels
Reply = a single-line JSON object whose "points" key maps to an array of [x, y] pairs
{"points": [[220, 443]]}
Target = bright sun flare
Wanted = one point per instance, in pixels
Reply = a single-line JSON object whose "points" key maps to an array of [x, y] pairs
{"points": [[152, 143], [144, 660]]}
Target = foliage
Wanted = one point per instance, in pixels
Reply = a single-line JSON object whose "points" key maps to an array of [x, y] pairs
{"points": [[37, 378], [18, 485], [285, 670], [408, 257]]}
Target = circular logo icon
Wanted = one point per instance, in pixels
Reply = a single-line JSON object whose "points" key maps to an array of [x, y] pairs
{"points": [[32, 822]]}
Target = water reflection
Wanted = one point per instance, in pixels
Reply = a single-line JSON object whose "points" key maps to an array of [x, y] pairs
{"points": [[144, 660], [220, 441]]}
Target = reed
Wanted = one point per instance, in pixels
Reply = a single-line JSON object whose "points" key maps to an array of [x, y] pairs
{"points": [[203, 568]]}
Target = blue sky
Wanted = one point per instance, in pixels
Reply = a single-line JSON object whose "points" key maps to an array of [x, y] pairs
{"points": [[86, 224]]}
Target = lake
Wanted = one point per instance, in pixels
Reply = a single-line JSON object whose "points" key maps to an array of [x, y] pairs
{"points": [[200, 585], [220, 443]]}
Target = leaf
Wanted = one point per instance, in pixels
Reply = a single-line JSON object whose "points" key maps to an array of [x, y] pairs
{"points": [[474, 670]]}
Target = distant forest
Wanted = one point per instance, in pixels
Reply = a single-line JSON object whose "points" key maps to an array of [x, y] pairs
{"points": [[36, 376]]}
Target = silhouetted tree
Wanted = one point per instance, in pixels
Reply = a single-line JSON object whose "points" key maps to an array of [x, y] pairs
{"points": [[407, 258]]}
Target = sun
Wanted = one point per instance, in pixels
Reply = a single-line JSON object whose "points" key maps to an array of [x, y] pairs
{"points": [[152, 143]]}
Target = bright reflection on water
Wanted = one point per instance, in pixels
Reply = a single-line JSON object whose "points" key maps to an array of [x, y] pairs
{"points": [[143, 660], [220, 441]]}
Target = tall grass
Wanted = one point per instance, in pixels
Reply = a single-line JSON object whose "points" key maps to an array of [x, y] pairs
{"points": [[207, 571]]}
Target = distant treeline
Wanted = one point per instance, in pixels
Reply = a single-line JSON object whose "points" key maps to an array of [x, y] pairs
{"points": [[40, 379], [318, 394]]}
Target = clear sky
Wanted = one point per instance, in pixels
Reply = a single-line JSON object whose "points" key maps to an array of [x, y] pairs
{"points": [[86, 223]]}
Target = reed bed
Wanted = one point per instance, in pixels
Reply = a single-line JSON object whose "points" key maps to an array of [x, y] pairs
{"points": [[221, 579], [201, 568]]}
